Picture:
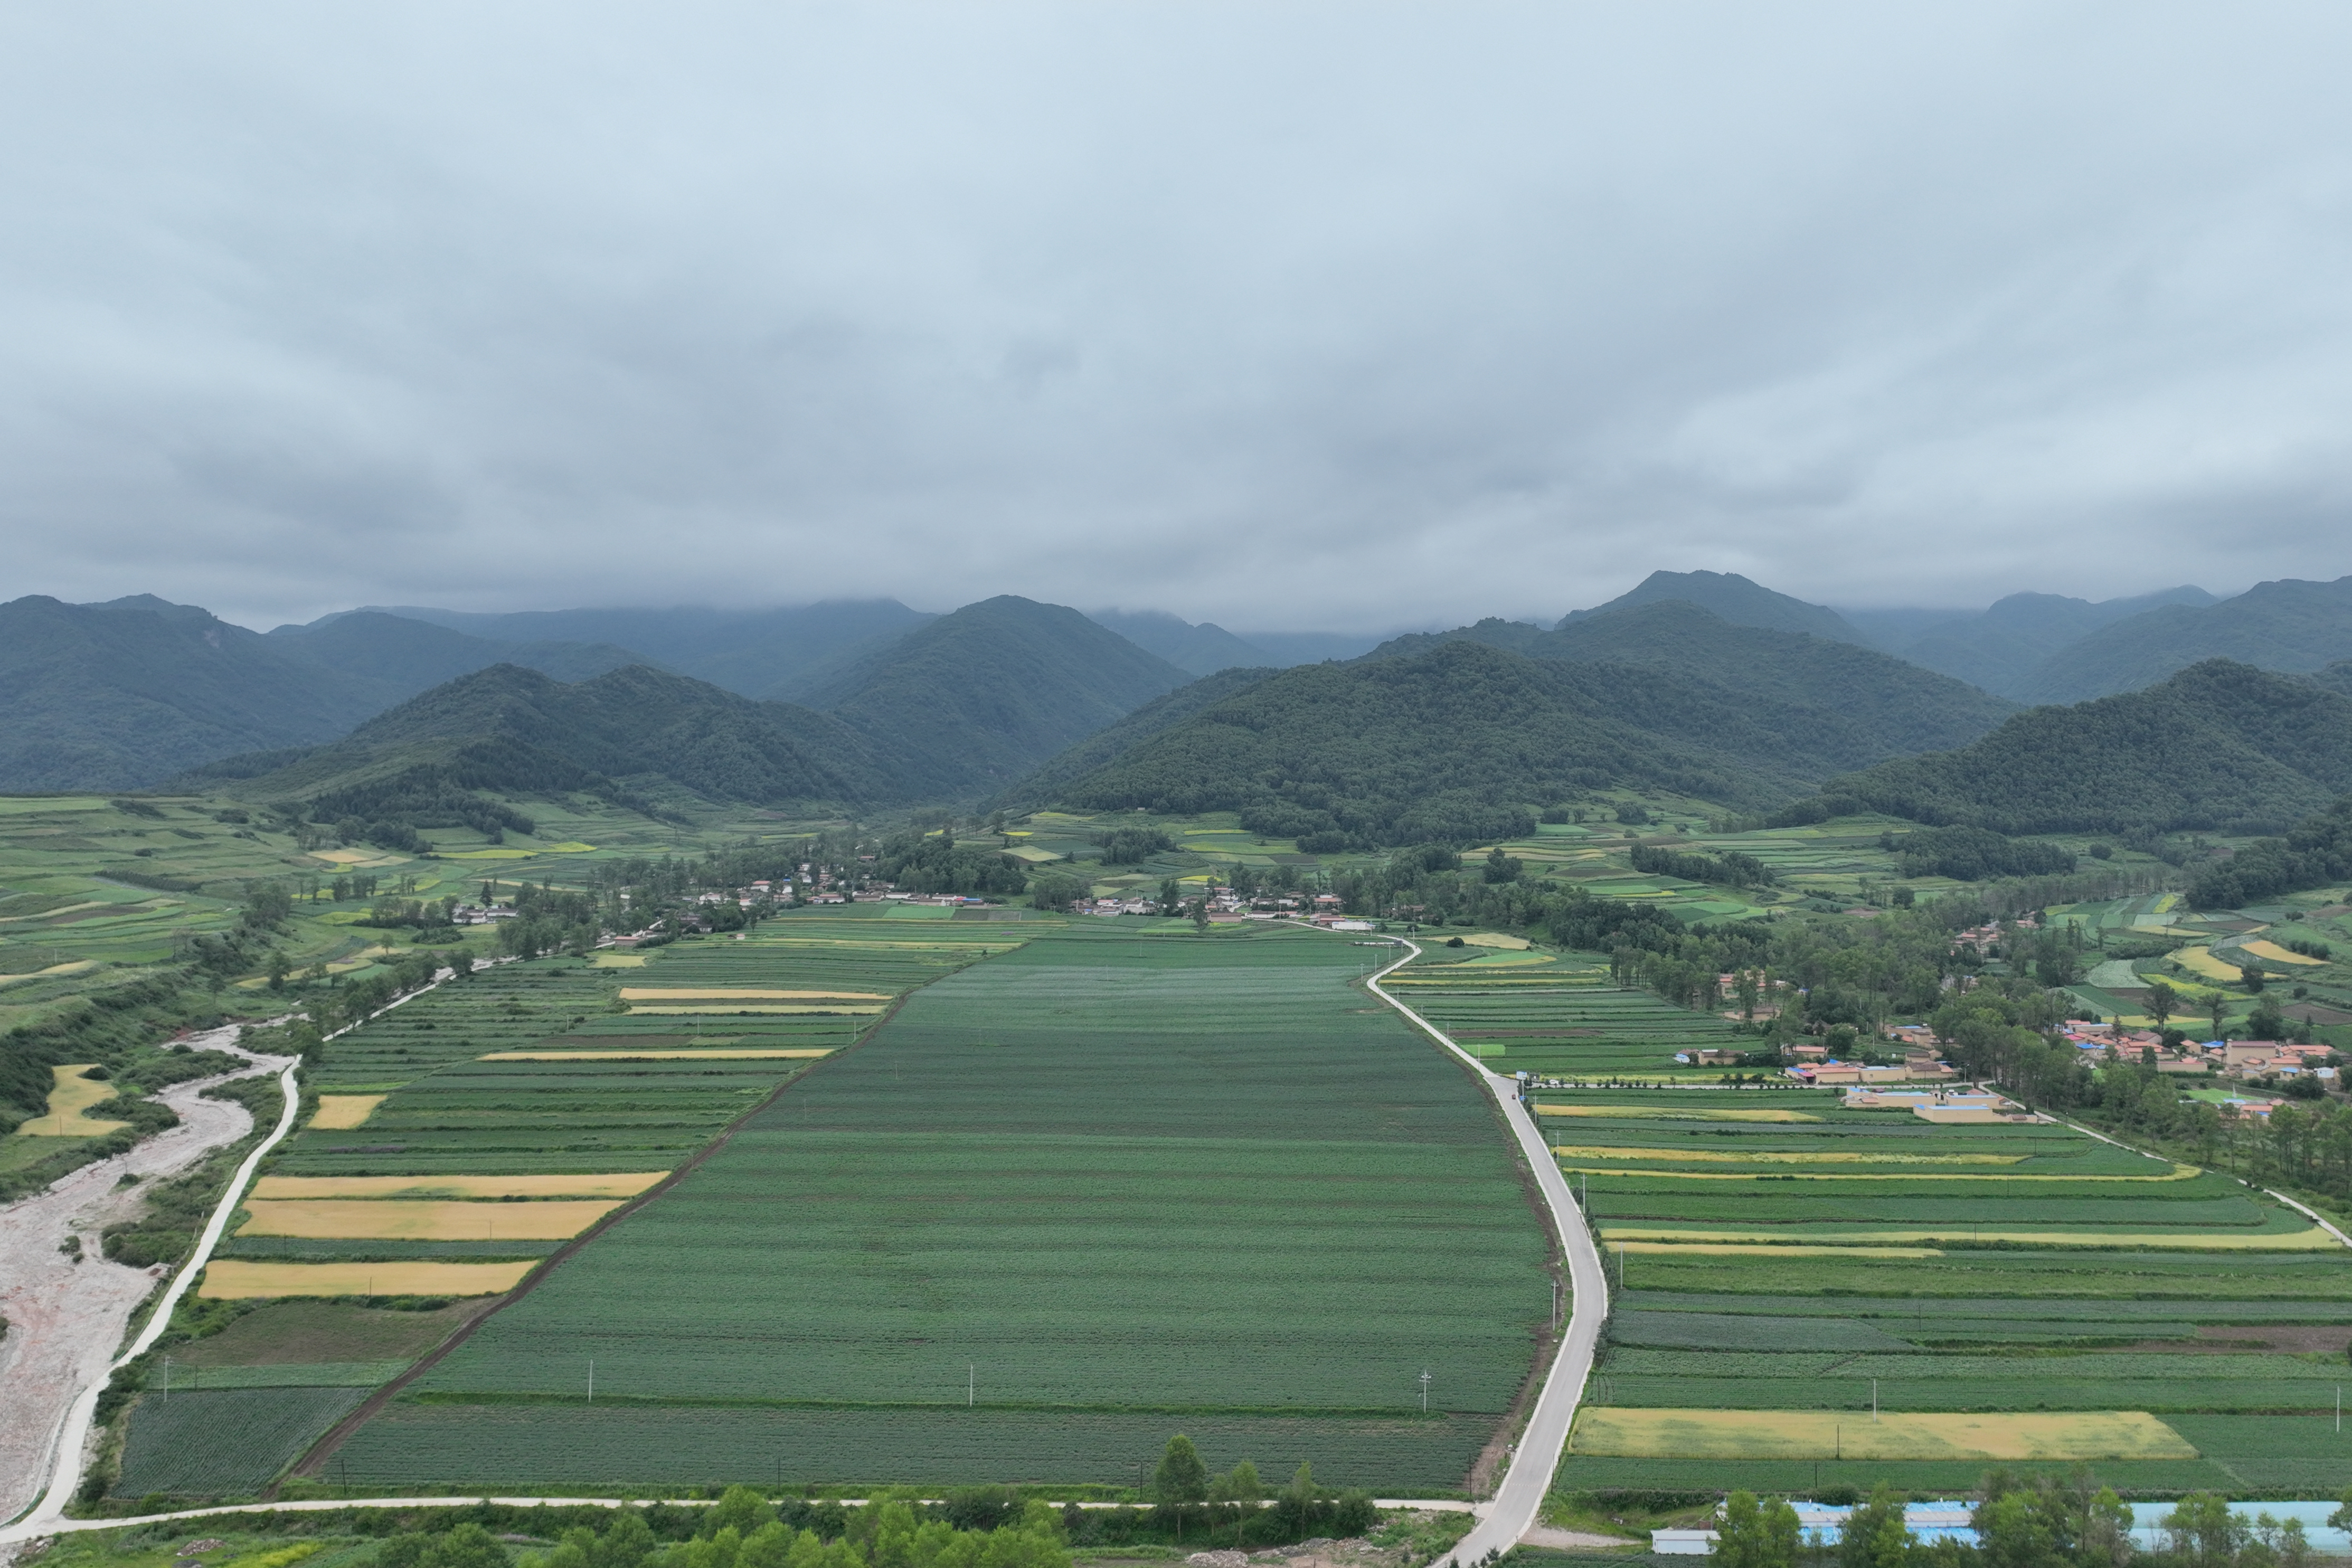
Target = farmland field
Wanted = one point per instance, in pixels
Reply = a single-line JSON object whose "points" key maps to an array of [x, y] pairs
{"points": [[1782, 1258], [1119, 1183]]}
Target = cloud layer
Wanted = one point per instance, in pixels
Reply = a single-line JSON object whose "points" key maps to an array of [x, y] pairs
{"points": [[1302, 315]]}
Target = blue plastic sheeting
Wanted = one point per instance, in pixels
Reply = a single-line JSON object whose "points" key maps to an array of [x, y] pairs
{"points": [[2147, 1523]]}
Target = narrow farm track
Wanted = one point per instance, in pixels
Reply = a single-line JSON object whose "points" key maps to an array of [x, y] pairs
{"points": [[1506, 1520]]}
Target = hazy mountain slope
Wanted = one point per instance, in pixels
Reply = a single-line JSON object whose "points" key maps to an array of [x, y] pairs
{"points": [[978, 698], [508, 729], [1103, 747], [2000, 648], [2218, 746], [388, 658], [1453, 742], [119, 695], [1734, 599], [2290, 624], [1201, 649], [1862, 705], [750, 652], [1283, 649], [123, 694]]}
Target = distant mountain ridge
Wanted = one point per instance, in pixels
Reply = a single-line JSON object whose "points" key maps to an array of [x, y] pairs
{"points": [[507, 729], [754, 653], [976, 700], [1862, 704], [2003, 646], [2221, 746], [2290, 624], [123, 694], [1457, 736]]}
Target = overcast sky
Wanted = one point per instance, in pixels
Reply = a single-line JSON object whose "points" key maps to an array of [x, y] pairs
{"points": [[1275, 314]]}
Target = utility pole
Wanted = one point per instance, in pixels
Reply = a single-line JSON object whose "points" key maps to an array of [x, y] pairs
{"points": [[1873, 1402], [167, 1376], [971, 1382], [1424, 1391], [592, 1380]]}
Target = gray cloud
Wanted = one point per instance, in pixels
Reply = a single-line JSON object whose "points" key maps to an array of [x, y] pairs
{"points": [[1313, 313]]}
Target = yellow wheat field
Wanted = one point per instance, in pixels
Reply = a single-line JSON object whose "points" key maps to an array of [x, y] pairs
{"points": [[729, 993], [341, 1112], [70, 1098], [625, 1185], [730, 1009], [424, 1219], [1676, 1113], [1770, 1157], [1828, 1434], [234, 1279], [629, 1056], [2278, 954]]}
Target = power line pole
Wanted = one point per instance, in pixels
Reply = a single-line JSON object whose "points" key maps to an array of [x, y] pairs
{"points": [[1424, 1391], [592, 1380]]}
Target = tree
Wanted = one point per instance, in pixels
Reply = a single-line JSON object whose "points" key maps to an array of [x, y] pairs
{"points": [[2266, 1022], [2203, 1532], [2161, 1000], [2252, 977], [1501, 868], [1240, 1486], [1875, 1535], [2217, 1006], [1182, 1480], [1297, 1502], [1200, 912], [1756, 1535]]}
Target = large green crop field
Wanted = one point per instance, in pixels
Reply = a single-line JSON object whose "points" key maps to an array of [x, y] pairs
{"points": [[1560, 1018], [1119, 1183]]}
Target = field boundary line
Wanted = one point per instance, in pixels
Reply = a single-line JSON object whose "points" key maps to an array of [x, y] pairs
{"points": [[314, 1458], [1518, 1499]]}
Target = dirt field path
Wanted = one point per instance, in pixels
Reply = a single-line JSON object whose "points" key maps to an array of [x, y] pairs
{"points": [[65, 1319]]}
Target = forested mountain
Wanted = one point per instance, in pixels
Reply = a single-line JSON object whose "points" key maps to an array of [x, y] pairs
{"points": [[1201, 649], [1733, 598], [508, 730], [2289, 625], [121, 695], [752, 652], [2000, 649], [977, 700], [1862, 705], [2220, 746], [1050, 782], [1455, 741]]}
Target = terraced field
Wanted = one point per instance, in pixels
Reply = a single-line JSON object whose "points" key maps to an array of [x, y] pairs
{"points": [[1114, 1184]]}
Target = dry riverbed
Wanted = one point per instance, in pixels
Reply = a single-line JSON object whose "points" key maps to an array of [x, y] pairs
{"points": [[66, 1318]]}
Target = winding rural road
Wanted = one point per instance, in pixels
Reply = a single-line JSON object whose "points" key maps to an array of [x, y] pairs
{"points": [[1518, 1501]]}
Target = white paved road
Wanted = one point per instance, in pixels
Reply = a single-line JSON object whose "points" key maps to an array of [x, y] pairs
{"points": [[1512, 1512]]}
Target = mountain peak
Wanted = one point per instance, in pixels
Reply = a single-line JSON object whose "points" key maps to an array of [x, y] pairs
{"points": [[1736, 599]]}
